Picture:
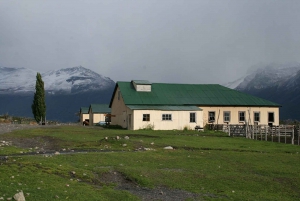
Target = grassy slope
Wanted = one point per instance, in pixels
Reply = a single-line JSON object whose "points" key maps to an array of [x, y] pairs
{"points": [[208, 163]]}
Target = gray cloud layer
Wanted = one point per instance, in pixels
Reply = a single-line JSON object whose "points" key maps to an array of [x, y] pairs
{"points": [[182, 41]]}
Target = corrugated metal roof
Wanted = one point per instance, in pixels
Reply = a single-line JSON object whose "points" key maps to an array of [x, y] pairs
{"points": [[164, 107], [141, 82], [190, 94], [100, 108], [84, 110]]}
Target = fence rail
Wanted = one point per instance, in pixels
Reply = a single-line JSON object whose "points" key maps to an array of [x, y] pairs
{"points": [[282, 133]]}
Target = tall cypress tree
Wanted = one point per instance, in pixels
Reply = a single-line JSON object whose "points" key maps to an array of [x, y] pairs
{"points": [[39, 105]]}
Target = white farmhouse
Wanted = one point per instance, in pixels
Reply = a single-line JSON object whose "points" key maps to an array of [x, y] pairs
{"points": [[161, 106]]}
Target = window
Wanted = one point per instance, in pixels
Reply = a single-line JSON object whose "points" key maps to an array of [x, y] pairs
{"points": [[192, 117], [166, 117], [226, 116], [256, 116], [146, 117], [241, 116], [211, 116], [271, 117]]}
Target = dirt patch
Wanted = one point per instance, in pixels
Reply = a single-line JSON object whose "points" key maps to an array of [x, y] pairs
{"points": [[41, 143], [6, 127], [147, 194]]}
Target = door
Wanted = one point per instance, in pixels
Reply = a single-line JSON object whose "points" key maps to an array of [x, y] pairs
{"points": [[129, 122]]}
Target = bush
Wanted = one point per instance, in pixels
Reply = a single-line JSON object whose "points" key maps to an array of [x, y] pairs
{"points": [[111, 126], [148, 127], [186, 128]]}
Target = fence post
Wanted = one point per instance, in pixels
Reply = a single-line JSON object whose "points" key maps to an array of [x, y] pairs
{"points": [[298, 134], [285, 134], [279, 134], [260, 133], [272, 133], [266, 131], [293, 135], [256, 130]]}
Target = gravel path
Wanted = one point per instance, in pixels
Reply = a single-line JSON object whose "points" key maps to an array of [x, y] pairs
{"points": [[6, 128]]}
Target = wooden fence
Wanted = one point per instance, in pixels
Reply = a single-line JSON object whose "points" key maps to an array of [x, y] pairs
{"points": [[282, 133]]}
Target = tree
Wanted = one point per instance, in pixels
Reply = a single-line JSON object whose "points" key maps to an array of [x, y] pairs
{"points": [[39, 106]]}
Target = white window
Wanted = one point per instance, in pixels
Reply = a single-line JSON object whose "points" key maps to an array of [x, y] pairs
{"points": [[146, 117], [192, 117], [242, 116], [226, 116], [256, 116], [211, 116], [167, 117]]}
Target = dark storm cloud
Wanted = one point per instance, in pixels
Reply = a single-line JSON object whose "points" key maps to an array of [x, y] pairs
{"points": [[161, 41]]}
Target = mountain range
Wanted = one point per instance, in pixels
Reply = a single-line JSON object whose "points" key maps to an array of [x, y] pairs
{"points": [[66, 90], [69, 89], [279, 83]]}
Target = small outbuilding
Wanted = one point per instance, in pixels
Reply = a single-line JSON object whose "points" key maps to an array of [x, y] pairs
{"points": [[84, 114], [99, 113]]}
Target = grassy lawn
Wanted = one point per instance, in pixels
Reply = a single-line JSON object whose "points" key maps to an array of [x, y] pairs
{"points": [[210, 164]]}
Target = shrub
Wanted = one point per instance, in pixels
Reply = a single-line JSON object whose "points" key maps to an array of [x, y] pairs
{"points": [[186, 128], [111, 126], [148, 127]]}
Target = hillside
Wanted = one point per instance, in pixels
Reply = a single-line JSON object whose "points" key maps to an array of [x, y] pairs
{"points": [[66, 91]]}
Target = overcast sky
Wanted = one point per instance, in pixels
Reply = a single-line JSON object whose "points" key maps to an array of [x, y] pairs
{"points": [[177, 41]]}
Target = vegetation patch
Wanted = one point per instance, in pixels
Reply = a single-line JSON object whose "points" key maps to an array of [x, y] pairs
{"points": [[202, 166]]}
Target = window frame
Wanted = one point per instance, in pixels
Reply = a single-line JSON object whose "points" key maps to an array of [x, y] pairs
{"points": [[146, 117], [244, 116], [209, 116], [269, 117], [254, 119], [193, 118], [166, 117], [225, 116]]}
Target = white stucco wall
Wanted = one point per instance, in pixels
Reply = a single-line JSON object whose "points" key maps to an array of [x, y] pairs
{"points": [[95, 118], [234, 114], [139, 87], [83, 117], [180, 120]]}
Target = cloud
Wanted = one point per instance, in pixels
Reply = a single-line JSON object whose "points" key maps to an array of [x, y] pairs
{"points": [[182, 41]]}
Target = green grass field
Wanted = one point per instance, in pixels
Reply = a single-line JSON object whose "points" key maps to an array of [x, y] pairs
{"points": [[210, 165]]}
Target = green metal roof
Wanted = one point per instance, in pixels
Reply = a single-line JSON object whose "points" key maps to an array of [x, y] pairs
{"points": [[189, 94], [142, 82], [100, 108], [84, 110], [164, 107]]}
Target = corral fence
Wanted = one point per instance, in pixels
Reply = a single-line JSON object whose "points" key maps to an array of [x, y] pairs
{"points": [[288, 134]]}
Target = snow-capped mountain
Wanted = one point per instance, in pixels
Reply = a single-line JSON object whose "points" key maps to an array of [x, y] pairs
{"points": [[67, 90], [16, 80], [67, 80], [277, 83], [264, 76], [235, 83], [73, 80]]}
